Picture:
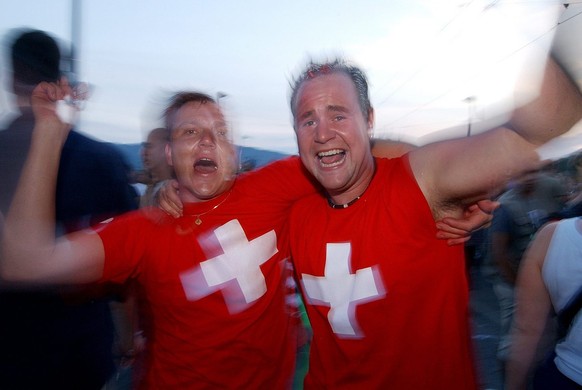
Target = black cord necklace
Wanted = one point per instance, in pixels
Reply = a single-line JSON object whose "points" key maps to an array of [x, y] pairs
{"points": [[342, 206]]}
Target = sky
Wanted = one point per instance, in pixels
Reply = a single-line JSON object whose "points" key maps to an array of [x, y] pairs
{"points": [[433, 66]]}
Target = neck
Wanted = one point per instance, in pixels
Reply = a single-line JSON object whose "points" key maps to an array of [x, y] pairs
{"points": [[364, 178], [188, 197]]}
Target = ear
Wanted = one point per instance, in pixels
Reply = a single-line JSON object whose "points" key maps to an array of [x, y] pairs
{"points": [[370, 122], [168, 151]]}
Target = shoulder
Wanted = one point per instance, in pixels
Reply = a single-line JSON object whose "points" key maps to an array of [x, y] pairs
{"points": [[543, 238], [86, 144], [284, 180], [89, 151], [136, 221], [394, 177], [288, 165]]}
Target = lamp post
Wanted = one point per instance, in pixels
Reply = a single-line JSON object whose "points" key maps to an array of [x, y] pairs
{"points": [[470, 100], [220, 95]]}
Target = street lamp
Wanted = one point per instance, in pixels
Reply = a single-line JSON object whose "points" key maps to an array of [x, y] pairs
{"points": [[220, 95], [469, 100]]}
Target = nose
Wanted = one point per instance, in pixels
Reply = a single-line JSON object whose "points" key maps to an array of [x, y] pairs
{"points": [[207, 138], [323, 132]]}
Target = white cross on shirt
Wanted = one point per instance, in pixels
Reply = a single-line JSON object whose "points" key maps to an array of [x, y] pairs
{"points": [[236, 271], [341, 290]]}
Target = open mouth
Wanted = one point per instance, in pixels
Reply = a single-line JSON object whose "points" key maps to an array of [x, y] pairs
{"points": [[331, 158], [205, 165]]}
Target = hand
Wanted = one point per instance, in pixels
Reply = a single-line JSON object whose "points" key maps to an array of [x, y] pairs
{"points": [[168, 200], [475, 217], [44, 100]]}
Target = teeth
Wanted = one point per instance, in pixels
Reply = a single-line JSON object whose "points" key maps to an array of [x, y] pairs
{"points": [[329, 153], [331, 165]]}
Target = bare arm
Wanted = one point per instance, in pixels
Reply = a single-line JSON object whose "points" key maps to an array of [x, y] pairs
{"points": [[533, 308], [30, 251], [455, 229], [459, 172]]}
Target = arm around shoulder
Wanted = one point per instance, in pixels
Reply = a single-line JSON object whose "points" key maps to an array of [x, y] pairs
{"points": [[464, 170]]}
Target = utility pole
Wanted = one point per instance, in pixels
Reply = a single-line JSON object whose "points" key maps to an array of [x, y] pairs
{"points": [[72, 63], [469, 100]]}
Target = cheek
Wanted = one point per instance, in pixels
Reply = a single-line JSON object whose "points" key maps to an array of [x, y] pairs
{"points": [[303, 141], [179, 155], [229, 157]]}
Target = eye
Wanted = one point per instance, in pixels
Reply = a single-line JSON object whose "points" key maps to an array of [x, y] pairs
{"points": [[222, 132], [190, 131], [308, 123], [338, 118]]}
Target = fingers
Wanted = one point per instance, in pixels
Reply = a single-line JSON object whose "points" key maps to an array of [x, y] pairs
{"points": [[50, 92], [170, 208], [168, 198], [458, 226], [76, 94], [446, 229], [457, 241], [488, 206], [475, 217], [453, 236]]}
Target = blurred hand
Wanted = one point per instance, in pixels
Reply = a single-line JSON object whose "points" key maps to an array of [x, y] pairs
{"points": [[475, 217], [44, 100], [168, 200]]}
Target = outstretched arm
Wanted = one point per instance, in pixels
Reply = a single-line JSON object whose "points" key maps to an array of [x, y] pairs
{"points": [[456, 230], [30, 251], [459, 172]]}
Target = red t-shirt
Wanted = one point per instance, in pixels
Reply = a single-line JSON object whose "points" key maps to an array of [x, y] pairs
{"points": [[215, 290], [387, 301]]}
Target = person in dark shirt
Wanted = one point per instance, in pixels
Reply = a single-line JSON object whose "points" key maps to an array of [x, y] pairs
{"points": [[58, 337]]}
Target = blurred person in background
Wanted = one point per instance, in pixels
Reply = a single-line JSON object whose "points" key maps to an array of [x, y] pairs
{"points": [[156, 167], [133, 314], [549, 281], [524, 208], [574, 204], [57, 336]]}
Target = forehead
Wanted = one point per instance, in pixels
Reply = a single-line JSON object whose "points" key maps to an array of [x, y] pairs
{"points": [[337, 87], [197, 113]]}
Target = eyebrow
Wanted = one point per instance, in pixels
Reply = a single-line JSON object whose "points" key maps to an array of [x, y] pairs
{"points": [[330, 108], [336, 108]]}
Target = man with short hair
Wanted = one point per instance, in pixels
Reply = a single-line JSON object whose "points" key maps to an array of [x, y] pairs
{"points": [[387, 301], [57, 336]]}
